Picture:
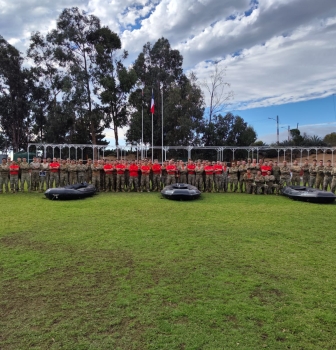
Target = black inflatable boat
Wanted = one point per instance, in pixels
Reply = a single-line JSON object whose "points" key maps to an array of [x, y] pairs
{"points": [[180, 191], [77, 191], [308, 194]]}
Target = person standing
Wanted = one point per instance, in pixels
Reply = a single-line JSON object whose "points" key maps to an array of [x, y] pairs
{"points": [[327, 176], [233, 179], [333, 183], [81, 171], [191, 172], [14, 176], [209, 170], [183, 171], [63, 169], [133, 171], [295, 170], [44, 174], [249, 181], [225, 176], [108, 169], [218, 171], [164, 174], [35, 167], [89, 171], [242, 172], [285, 177], [171, 171], [320, 175], [4, 175], [305, 176], [120, 167], [145, 170], [313, 173], [199, 175], [276, 172], [96, 167], [25, 174], [72, 169], [156, 169]]}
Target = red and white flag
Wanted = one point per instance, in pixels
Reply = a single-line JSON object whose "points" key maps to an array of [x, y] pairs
{"points": [[152, 104]]}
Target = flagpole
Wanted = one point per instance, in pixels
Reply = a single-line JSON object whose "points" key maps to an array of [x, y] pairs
{"points": [[161, 85], [142, 156], [152, 110], [152, 137]]}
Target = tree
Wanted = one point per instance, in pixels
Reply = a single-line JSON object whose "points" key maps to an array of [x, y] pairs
{"points": [[330, 139], [14, 96], [216, 87], [159, 69]]}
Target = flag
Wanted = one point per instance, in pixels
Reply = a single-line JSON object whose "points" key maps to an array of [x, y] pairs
{"points": [[152, 104]]}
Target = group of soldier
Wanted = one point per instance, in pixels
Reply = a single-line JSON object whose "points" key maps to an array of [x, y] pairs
{"points": [[263, 177]]}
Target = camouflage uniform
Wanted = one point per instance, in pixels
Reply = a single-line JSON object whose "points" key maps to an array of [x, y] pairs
{"points": [[333, 183], [72, 169], [225, 178], [63, 174], [276, 173], [233, 179], [295, 170], [271, 185], [25, 175], [163, 175], [260, 186], [254, 168], [249, 183], [312, 175], [4, 174], [81, 169], [96, 169], [199, 177], [45, 179], [320, 176], [305, 177], [242, 171], [89, 172], [35, 175], [327, 177], [183, 170], [285, 176]]}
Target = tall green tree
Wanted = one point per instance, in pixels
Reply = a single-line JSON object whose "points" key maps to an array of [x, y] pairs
{"points": [[15, 97], [159, 69]]}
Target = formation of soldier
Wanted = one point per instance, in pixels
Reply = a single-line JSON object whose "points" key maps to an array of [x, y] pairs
{"points": [[263, 177]]}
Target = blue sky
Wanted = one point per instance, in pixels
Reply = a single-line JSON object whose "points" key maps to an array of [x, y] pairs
{"points": [[280, 55]]}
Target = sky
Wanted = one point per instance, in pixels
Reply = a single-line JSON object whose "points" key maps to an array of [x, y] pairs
{"points": [[279, 55]]}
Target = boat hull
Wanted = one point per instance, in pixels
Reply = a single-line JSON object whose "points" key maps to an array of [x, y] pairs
{"points": [[308, 194], [181, 191], [77, 191]]}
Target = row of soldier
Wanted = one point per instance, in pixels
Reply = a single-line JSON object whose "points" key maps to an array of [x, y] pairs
{"points": [[121, 175]]}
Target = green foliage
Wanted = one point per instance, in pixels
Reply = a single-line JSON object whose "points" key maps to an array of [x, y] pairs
{"points": [[330, 139], [133, 271]]}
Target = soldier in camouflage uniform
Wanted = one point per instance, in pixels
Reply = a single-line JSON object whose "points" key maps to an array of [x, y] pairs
{"points": [[254, 166], [295, 170], [44, 179], [63, 173], [96, 168], [35, 167], [199, 175], [25, 174], [271, 185], [249, 181], [333, 183], [327, 176], [305, 177], [72, 169], [233, 179], [276, 172], [260, 186], [81, 171], [163, 174], [242, 172], [225, 176], [89, 171], [284, 175], [183, 171], [320, 175], [4, 175], [312, 173]]}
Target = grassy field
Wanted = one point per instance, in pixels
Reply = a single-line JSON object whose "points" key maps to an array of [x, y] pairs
{"points": [[134, 271]]}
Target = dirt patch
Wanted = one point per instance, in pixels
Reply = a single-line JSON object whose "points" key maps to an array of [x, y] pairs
{"points": [[267, 296]]}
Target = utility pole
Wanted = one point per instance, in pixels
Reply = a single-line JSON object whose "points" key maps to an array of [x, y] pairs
{"points": [[277, 121]]}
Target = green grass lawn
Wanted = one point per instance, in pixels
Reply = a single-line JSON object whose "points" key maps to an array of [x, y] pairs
{"points": [[134, 271]]}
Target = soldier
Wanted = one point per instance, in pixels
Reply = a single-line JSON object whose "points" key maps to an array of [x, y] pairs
{"points": [[121, 167], [25, 174], [89, 171], [209, 170], [44, 170], [133, 171], [72, 169], [254, 167], [183, 171], [4, 174], [225, 177], [285, 175], [218, 170], [81, 171], [156, 169], [333, 184], [305, 177], [96, 167], [233, 179], [171, 171], [295, 170], [164, 174], [271, 185], [14, 176], [191, 172], [199, 175], [265, 167], [313, 173], [276, 172], [327, 176], [63, 173], [320, 175], [35, 167], [54, 173], [249, 181], [260, 186], [108, 168], [145, 170], [242, 172]]}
